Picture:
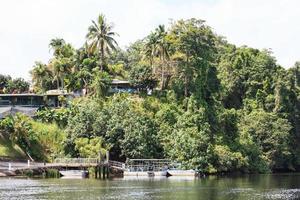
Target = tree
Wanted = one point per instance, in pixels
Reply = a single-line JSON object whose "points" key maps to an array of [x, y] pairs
{"points": [[60, 67], [57, 46], [85, 76], [41, 76], [157, 45], [100, 83], [195, 46], [90, 148], [18, 85], [4, 82], [62, 62], [141, 77], [162, 49], [101, 39], [264, 138], [140, 138]]}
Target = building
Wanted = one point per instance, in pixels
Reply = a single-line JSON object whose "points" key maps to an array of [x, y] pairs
{"points": [[121, 86], [29, 103]]}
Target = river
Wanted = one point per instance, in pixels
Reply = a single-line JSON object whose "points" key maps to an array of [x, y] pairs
{"points": [[246, 187]]}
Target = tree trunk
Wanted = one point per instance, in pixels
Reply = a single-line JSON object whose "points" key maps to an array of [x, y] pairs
{"points": [[62, 83], [162, 78], [186, 92], [85, 87], [57, 83], [163, 72], [102, 56], [186, 78]]}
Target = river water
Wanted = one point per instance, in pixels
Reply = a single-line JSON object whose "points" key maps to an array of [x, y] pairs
{"points": [[278, 186]]}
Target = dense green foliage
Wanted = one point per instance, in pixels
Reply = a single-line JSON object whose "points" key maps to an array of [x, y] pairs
{"points": [[9, 85], [40, 141], [215, 107]]}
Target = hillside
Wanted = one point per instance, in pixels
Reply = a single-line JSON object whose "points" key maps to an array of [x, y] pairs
{"points": [[9, 150]]}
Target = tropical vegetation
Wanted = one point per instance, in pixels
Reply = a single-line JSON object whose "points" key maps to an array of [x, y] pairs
{"points": [[214, 106]]}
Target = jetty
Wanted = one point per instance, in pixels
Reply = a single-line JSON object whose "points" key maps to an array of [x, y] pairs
{"points": [[101, 168]]}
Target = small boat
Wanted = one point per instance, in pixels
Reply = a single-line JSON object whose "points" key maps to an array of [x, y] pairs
{"points": [[74, 174], [178, 172]]}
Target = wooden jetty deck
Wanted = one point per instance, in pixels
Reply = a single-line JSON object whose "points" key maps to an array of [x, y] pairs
{"points": [[101, 167]]}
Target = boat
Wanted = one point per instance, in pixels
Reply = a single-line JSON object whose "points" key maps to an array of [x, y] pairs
{"points": [[178, 172], [74, 174]]}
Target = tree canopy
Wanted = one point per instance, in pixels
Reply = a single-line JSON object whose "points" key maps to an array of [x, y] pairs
{"points": [[215, 107]]}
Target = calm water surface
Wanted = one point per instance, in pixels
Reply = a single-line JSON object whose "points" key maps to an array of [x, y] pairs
{"points": [[280, 186]]}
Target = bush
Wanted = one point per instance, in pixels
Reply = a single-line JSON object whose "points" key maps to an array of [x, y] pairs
{"points": [[51, 138], [228, 161], [52, 173]]}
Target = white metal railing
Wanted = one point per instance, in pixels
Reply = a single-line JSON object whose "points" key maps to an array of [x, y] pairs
{"points": [[76, 160], [117, 164], [13, 166]]}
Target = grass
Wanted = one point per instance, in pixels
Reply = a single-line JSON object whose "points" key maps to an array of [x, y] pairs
{"points": [[10, 150]]}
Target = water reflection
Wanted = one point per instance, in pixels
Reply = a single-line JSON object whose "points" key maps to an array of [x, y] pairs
{"points": [[261, 187]]}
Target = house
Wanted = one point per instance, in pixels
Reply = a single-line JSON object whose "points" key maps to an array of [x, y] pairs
{"points": [[29, 103], [121, 86]]}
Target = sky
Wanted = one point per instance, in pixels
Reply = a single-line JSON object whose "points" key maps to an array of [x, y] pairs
{"points": [[27, 26]]}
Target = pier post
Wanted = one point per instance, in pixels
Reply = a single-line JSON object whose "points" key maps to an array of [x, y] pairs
{"points": [[103, 172], [96, 172], [107, 171], [100, 172]]}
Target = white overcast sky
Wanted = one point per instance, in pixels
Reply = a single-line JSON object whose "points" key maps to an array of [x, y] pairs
{"points": [[26, 26]]}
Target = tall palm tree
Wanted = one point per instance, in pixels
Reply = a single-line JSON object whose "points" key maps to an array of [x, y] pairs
{"points": [[60, 67], [62, 62], [57, 45], [101, 38], [84, 75], [150, 47], [158, 46], [40, 75]]}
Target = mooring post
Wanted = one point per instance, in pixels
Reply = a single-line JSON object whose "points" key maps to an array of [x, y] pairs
{"points": [[99, 171], [107, 172], [103, 172], [96, 171], [9, 166], [28, 163]]}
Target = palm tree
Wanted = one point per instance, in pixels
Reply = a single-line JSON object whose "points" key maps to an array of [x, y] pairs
{"points": [[101, 38], [40, 75], [100, 82], [150, 47], [85, 76], [157, 45], [162, 49], [60, 67], [62, 62], [56, 45]]}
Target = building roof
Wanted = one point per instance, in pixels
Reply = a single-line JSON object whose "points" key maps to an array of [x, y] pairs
{"points": [[115, 81], [21, 95]]}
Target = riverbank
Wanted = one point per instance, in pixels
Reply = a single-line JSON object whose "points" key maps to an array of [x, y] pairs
{"points": [[9, 150]]}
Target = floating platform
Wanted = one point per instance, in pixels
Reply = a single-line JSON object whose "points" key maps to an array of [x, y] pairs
{"points": [[167, 173], [146, 173]]}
